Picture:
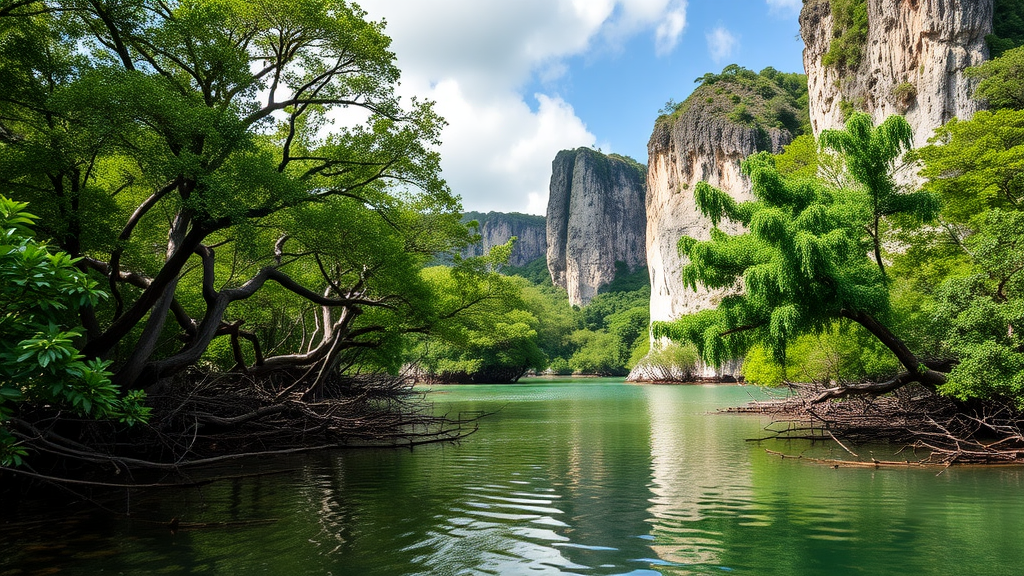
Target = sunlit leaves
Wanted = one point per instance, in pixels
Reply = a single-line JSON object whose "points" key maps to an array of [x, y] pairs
{"points": [[978, 164], [802, 260], [713, 203], [770, 225], [871, 156], [481, 326], [40, 294], [1002, 80]]}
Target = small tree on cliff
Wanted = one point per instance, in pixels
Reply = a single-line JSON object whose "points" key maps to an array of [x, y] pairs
{"points": [[803, 263]]}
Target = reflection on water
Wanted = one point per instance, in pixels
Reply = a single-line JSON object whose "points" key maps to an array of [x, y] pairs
{"points": [[568, 478], [696, 477]]}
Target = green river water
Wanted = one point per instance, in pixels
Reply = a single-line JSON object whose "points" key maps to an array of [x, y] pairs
{"points": [[568, 477]]}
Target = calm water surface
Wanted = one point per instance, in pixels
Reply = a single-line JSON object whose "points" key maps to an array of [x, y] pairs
{"points": [[573, 477]]}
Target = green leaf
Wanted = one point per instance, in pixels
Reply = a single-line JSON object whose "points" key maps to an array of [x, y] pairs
{"points": [[11, 394]]}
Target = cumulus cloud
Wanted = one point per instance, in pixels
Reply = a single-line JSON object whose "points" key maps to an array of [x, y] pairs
{"points": [[670, 30], [497, 153], [474, 58], [721, 44], [784, 7]]}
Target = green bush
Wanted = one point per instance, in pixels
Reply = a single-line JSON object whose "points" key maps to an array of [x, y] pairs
{"points": [[41, 292], [560, 367], [1007, 27], [844, 352], [904, 93], [849, 34], [597, 353]]}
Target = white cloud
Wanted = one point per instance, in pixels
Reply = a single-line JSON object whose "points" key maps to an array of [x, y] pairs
{"points": [[497, 153], [473, 58], [669, 31], [721, 44], [784, 7]]}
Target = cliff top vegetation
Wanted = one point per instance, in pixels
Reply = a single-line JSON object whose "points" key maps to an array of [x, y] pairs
{"points": [[765, 99], [604, 162], [628, 160]]}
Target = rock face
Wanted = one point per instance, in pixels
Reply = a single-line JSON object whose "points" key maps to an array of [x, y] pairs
{"points": [[912, 62], [700, 145], [595, 218], [497, 227], [706, 139]]}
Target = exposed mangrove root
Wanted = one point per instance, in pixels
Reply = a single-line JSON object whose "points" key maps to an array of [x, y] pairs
{"points": [[936, 429], [206, 419]]}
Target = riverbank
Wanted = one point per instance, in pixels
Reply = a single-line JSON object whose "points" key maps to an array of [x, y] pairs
{"points": [[933, 429]]}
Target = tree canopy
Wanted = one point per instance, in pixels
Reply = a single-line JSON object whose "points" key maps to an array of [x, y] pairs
{"points": [[254, 143], [1002, 80], [802, 263], [242, 180], [870, 155]]}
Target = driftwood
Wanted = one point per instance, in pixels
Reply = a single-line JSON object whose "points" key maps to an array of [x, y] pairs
{"points": [[942, 430], [836, 463]]}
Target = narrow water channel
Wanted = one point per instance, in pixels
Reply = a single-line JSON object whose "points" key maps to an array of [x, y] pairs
{"points": [[567, 477]]}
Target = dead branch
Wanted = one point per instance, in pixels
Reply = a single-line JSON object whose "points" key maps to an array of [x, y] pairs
{"points": [[913, 416]]}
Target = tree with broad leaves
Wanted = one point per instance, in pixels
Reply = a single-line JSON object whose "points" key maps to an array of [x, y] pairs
{"points": [[39, 291], [213, 160]]}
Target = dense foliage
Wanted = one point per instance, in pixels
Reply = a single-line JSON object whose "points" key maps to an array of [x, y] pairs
{"points": [[1007, 27], [536, 271], [39, 363], [495, 341], [606, 337], [764, 100], [849, 34], [1002, 80], [977, 294], [870, 155]]}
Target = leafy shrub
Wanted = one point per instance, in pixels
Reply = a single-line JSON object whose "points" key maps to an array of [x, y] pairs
{"points": [[1007, 27], [40, 294], [850, 33], [904, 93]]}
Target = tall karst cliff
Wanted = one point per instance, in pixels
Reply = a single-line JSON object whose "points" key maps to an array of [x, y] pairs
{"points": [[497, 227], [595, 219], [729, 117], [907, 57], [880, 56]]}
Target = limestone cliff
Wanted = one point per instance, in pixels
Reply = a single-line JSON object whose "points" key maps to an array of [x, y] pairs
{"points": [[497, 227], [595, 218], [705, 139], [911, 62]]}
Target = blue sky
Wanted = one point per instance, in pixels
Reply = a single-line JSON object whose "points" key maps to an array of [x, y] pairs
{"points": [[518, 81]]}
